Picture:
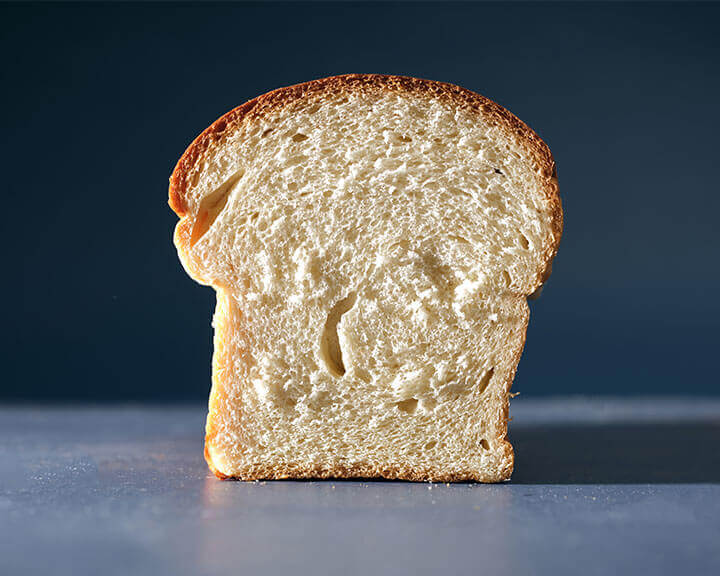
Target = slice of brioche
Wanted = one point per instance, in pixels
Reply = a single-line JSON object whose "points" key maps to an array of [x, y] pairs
{"points": [[372, 241]]}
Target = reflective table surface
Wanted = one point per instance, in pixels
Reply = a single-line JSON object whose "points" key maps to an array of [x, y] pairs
{"points": [[600, 487]]}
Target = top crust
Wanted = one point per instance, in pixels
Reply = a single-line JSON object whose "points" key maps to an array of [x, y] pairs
{"points": [[491, 112]]}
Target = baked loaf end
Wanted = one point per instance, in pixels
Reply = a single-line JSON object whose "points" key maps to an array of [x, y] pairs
{"points": [[372, 241]]}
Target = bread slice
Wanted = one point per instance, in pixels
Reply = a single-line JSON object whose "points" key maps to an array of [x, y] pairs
{"points": [[372, 241]]}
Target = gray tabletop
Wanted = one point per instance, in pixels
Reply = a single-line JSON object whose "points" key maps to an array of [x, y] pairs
{"points": [[600, 487]]}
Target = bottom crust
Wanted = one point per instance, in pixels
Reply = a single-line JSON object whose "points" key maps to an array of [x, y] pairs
{"points": [[499, 471]]}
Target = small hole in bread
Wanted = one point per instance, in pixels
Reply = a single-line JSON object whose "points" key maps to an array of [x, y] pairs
{"points": [[524, 242], [266, 132], [211, 206], [363, 375], [495, 200], [299, 137], [330, 350], [459, 239], [486, 380], [498, 171], [430, 445], [428, 403], [485, 444], [460, 192], [408, 406], [506, 277]]}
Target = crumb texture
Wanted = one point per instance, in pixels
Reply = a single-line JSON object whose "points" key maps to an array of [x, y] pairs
{"points": [[372, 251]]}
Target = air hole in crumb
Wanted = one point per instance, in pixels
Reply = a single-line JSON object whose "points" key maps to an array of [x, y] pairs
{"points": [[460, 192], [266, 132], [429, 404], [402, 138], [254, 216], [485, 444], [498, 171], [495, 200], [524, 242], [292, 186], [486, 380], [408, 406], [211, 206], [430, 445], [363, 375], [506, 277], [460, 239], [330, 350], [299, 137]]}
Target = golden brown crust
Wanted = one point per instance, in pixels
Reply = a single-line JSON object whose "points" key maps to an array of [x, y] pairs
{"points": [[210, 464], [359, 471], [262, 106], [493, 114], [183, 169]]}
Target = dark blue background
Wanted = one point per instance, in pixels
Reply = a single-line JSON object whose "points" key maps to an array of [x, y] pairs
{"points": [[99, 101]]}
